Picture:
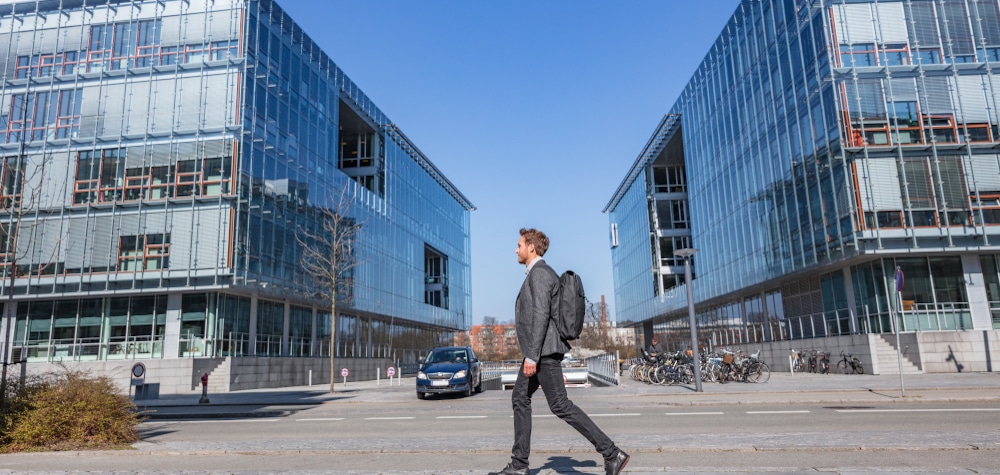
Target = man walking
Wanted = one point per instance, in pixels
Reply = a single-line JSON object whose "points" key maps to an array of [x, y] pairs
{"points": [[543, 352]]}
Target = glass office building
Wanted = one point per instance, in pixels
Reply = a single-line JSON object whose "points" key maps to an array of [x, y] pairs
{"points": [[820, 146], [165, 165]]}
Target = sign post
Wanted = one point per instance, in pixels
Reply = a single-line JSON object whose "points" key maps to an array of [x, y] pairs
{"points": [[898, 278], [390, 372], [344, 372], [138, 379]]}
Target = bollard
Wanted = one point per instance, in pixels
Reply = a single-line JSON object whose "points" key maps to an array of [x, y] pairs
{"points": [[204, 389]]}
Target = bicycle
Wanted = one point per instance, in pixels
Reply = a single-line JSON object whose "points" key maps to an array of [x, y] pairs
{"points": [[849, 364], [824, 362], [797, 361], [755, 370]]}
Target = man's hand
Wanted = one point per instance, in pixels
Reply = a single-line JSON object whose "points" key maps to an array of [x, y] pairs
{"points": [[529, 368]]}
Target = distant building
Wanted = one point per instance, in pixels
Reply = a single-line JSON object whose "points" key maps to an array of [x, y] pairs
{"points": [[494, 340], [819, 148]]}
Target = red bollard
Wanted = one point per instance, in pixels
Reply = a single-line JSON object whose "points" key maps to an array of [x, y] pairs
{"points": [[204, 389]]}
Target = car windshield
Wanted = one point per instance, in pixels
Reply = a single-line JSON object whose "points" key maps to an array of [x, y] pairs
{"points": [[445, 356]]}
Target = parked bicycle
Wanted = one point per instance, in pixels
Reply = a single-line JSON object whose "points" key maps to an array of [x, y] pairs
{"points": [[819, 362], [740, 367], [798, 361], [849, 364]]}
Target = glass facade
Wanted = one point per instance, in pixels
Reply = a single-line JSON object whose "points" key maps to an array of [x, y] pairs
{"points": [[162, 164], [825, 143]]}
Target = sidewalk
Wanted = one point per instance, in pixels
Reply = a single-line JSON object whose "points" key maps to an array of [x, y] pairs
{"points": [[805, 388]]}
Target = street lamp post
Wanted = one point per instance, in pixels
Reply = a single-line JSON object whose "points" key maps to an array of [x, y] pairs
{"points": [[687, 253]]}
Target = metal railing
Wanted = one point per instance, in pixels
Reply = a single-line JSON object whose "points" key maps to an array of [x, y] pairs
{"points": [[605, 369]]}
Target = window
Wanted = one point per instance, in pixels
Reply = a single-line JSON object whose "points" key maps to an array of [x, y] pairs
{"points": [[11, 181], [929, 56], [859, 55], [144, 252], [45, 65], [123, 45], [883, 219], [7, 235], [100, 176], [206, 177], [435, 277], [894, 54], [44, 116], [669, 245], [669, 180], [148, 183]]}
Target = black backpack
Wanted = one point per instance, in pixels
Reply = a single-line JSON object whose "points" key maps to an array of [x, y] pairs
{"points": [[572, 306]]}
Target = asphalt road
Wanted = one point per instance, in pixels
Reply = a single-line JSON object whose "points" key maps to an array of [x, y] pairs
{"points": [[473, 436]]}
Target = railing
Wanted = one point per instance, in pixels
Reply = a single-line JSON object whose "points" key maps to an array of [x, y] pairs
{"points": [[995, 311], [604, 368], [936, 317], [90, 349]]}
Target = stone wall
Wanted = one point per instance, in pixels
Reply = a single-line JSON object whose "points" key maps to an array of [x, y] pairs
{"points": [[183, 375], [933, 352], [955, 352]]}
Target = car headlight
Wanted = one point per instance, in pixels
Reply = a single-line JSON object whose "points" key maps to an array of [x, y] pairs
{"points": [[460, 374], [421, 375]]}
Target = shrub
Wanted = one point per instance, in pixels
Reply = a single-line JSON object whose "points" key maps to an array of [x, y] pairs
{"points": [[68, 411]]}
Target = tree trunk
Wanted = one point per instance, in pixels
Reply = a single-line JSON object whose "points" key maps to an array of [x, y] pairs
{"points": [[333, 342]]}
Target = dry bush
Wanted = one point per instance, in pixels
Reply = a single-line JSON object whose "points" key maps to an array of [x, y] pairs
{"points": [[68, 411]]}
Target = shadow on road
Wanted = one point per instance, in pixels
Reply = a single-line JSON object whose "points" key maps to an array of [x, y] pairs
{"points": [[566, 465]]}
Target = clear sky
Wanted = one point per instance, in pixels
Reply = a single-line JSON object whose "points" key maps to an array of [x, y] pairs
{"points": [[535, 110]]}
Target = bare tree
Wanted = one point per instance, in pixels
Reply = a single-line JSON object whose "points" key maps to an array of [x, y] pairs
{"points": [[488, 338], [329, 256], [463, 339], [15, 179], [600, 335]]}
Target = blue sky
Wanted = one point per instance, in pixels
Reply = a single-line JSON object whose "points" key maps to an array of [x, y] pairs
{"points": [[535, 110]]}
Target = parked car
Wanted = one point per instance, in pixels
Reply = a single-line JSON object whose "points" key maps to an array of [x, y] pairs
{"points": [[449, 369]]}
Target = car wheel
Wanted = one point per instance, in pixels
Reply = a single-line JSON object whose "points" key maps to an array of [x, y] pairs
{"points": [[468, 392], [479, 387], [421, 395]]}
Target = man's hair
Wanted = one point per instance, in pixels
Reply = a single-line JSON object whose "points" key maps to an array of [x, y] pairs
{"points": [[534, 237]]}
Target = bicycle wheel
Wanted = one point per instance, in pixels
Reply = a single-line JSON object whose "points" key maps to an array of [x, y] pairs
{"points": [[656, 374], [842, 366], [760, 373], [858, 368]]}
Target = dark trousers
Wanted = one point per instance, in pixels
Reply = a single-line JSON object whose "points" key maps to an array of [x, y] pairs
{"points": [[549, 376]]}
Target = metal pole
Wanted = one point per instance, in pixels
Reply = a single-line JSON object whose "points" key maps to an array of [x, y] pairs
{"points": [[695, 357], [898, 280]]}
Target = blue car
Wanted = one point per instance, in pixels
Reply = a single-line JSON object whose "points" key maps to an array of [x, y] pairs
{"points": [[450, 369]]}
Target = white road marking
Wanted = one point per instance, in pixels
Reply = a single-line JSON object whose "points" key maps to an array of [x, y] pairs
{"points": [[922, 410], [624, 414], [212, 421], [388, 418], [461, 417], [777, 412], [321, 419], [693, 413]]}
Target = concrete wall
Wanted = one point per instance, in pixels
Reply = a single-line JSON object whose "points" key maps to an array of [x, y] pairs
{"points": [[183, 375], [174, 376], [954, 352], [261, 372], [934, 352], [776, 353]]}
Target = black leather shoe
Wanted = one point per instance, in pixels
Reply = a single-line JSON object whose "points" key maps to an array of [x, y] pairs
{"points": [[510, 470], [616, 464]]}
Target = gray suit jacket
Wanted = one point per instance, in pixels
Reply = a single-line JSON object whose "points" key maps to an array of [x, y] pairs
{"points": [[536, 303]]}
